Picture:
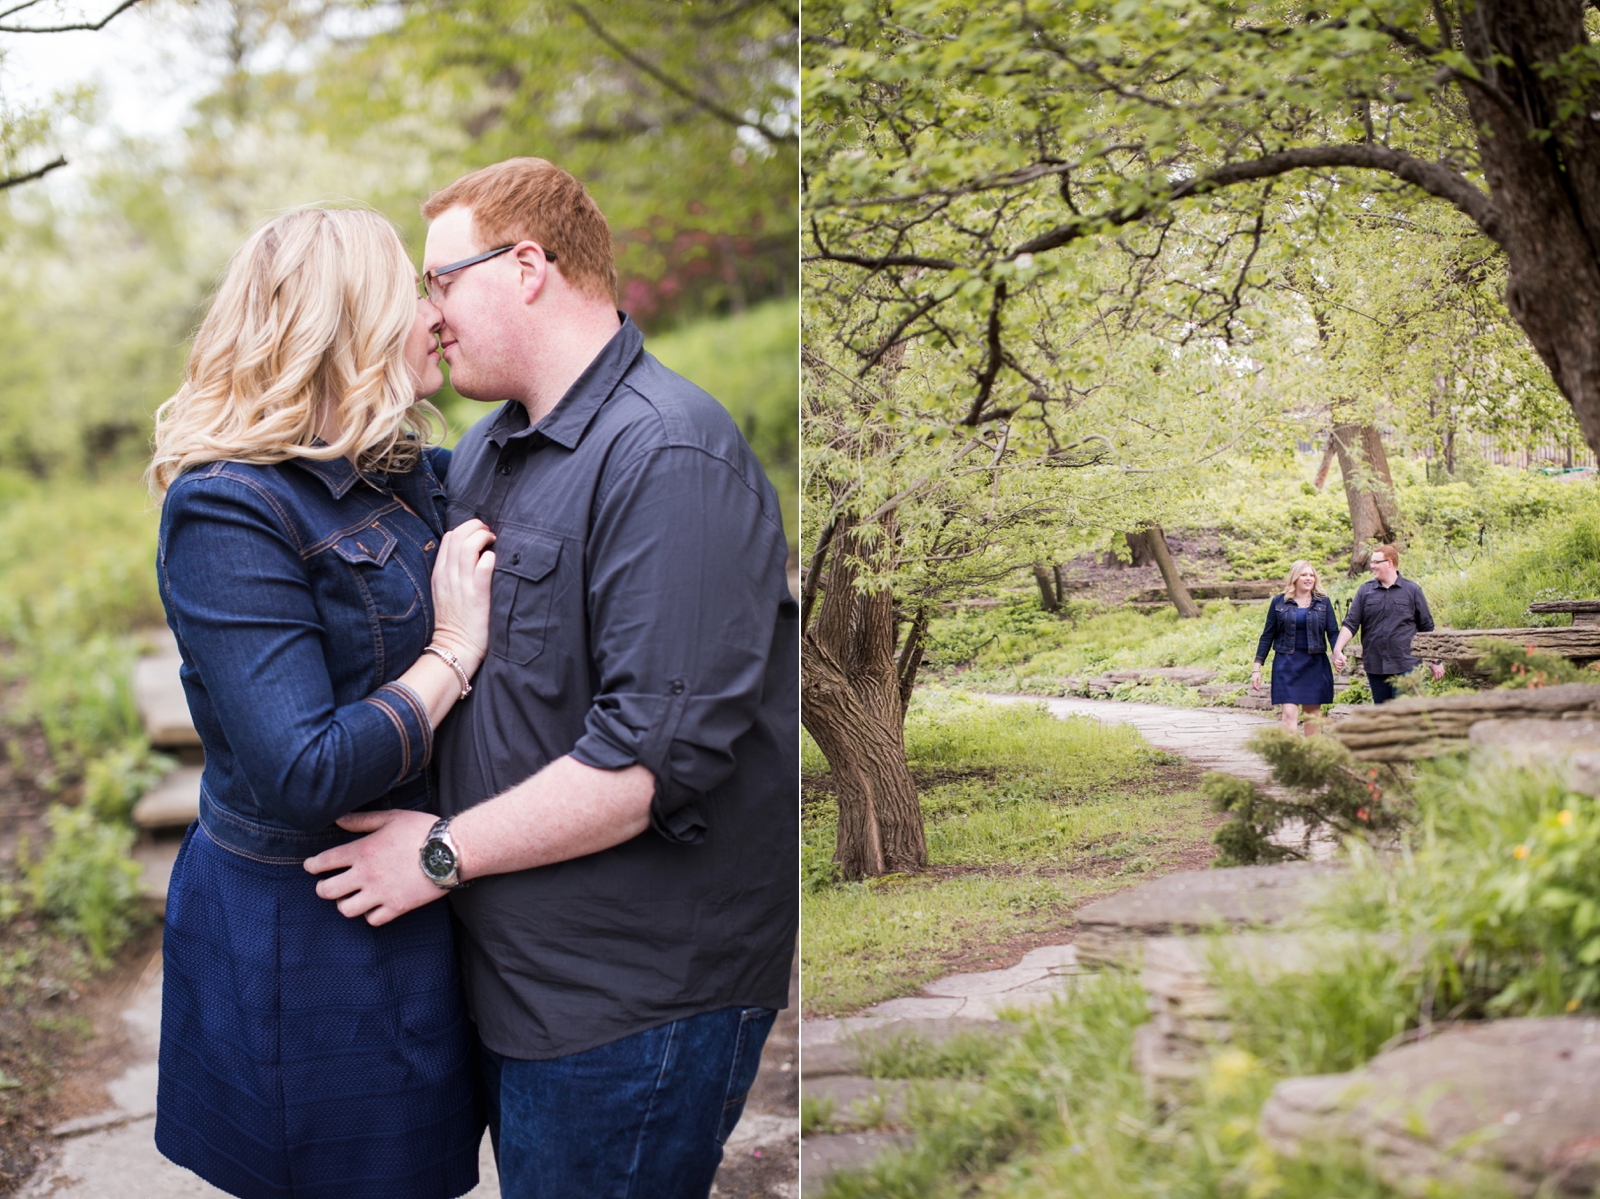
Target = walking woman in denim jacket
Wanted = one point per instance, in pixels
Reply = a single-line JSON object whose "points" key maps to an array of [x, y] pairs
{"points": [[1299, 630], [327, 623]]}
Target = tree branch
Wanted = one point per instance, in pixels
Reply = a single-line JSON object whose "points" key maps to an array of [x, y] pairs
{"points": [[14, 180], [1433, 178], [88, 25], [673, 85]]}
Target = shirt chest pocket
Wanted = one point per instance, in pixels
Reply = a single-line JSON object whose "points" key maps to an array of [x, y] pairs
{"points": [[523, 591], [386, 583]]}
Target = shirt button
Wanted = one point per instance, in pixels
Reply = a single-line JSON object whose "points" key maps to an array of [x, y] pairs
{"points": [[677, 688], [516, 559], [505, 468]]}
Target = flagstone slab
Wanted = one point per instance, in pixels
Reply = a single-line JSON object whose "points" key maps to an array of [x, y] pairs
{"points": [[173, 803], [1519, 1099], [824, 1154], [1191, 901]]}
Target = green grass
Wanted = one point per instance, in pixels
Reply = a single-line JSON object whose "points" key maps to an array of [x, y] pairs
{"points": [[1020, 647], [1026, 814], [751, 362], [1060, 1113]]}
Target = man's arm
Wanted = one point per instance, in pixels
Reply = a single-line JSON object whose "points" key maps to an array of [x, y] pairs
{"points": [[685, 583], [567, 810]]}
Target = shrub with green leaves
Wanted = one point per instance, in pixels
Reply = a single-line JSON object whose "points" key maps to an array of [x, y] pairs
{"points": [[1325, 791], [1500, 891], [86, 881], [1517, 667]]}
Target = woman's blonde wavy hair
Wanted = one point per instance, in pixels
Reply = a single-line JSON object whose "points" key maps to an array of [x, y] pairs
{"points": [[314, 309], [1288, 581]]}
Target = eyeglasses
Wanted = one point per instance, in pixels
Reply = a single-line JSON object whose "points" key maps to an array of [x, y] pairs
{"points": [[428, 285]]}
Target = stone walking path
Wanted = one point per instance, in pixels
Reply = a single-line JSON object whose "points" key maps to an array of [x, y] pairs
{"points": [[863, 1112], [1211, 738]]}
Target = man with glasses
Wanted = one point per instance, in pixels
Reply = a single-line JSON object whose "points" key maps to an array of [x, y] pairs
{"points": [[1388, 611], [619, 788]]}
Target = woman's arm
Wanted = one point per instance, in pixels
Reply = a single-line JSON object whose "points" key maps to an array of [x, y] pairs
{"points": [[239, 596], [1265, 644]]}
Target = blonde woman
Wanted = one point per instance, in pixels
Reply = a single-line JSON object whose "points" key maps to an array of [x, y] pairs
{"points": [[327, 624], [1299, 630]]}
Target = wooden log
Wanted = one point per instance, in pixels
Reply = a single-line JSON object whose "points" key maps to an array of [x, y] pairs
{"points": [[1254, 589]]}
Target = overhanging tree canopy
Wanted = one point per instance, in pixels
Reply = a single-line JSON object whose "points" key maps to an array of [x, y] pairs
{"points": [[957, 147]]}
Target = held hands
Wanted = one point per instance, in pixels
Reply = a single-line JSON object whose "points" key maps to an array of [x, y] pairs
{"points": [[382, 875], [1338, 661], [461, 577]]}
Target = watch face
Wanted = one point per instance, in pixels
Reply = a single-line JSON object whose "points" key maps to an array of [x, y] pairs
{"points": [[437, 860]]}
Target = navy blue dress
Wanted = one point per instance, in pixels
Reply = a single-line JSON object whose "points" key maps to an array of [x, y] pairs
{"points": [[305, 1055], [1301, 677]]}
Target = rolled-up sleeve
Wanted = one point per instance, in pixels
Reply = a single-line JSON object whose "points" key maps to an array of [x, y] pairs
{"points": [[240, 598], [685, 582]]}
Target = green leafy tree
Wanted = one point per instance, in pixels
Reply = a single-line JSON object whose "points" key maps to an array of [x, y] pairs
{"points": [[954, 147], [902, 512], [681, 118]]}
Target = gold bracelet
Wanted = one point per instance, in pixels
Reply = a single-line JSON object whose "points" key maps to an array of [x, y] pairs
{"points": [[454, 663]]}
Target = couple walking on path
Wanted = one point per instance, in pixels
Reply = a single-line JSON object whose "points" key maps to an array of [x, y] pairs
{"points": [[551, 676], [1388, 611]]}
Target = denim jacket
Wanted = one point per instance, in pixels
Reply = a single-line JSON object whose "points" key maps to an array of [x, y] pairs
{"points": [[299, 592], [1279, 633]]}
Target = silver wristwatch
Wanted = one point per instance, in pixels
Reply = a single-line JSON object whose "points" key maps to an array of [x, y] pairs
{"points": [[441, 859]]}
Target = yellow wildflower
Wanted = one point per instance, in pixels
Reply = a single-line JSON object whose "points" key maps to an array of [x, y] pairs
{"points": [[1520, 852], [1564, 816]]}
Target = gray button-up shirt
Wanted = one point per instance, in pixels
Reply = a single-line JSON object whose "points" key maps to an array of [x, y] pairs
{"points": [[1387, 619], [640, 614]]}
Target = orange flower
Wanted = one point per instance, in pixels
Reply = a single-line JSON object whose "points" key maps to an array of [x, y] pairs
{"points": [[1361, 814], [1520, 852]]}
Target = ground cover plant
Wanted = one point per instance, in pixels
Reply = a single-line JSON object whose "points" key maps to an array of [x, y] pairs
{"points": [[1027, 815]]}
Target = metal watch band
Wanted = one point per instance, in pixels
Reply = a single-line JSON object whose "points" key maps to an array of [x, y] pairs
{"points": [[440, 834], [454, 663]]}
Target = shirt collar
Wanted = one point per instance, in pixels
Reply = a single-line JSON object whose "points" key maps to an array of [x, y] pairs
{"points": [[566, 422], [337, 473]]}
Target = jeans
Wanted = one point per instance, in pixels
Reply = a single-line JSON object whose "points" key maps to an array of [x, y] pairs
{"points": [[640, 1118], [1382, 686]]}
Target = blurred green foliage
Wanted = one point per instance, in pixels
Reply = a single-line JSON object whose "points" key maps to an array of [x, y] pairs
{"points": [[750, 362]]}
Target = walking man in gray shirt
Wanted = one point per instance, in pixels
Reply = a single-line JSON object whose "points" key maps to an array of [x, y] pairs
{"points": [[1388, 611], [619, 789]]}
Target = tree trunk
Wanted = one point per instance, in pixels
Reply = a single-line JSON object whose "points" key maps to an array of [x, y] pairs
{"points": [[1061, 583], [1545, 185], [1139, 553], [1179, 594], [1047, 593], [852, 702], [1368, 490]]}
